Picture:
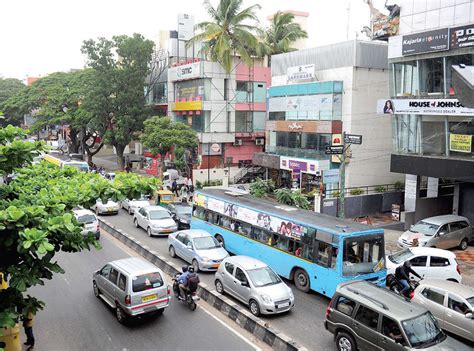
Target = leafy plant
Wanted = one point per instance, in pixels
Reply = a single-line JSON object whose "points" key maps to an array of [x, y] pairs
{"points": [[259, 188], [399, 186], [284, 196], [356, 191], [380, 189], [336, 193], [300, 200]]}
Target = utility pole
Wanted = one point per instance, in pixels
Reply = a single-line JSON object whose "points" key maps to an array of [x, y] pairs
{"points": [[342, 176]]}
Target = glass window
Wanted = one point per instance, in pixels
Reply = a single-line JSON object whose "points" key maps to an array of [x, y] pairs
{"points": [[401, 256], [229, 267], [240, 275], [406, 133], [457, 304], [181, 118], [467, 59], [438, 261], [206, 243], [86, 219], [363, 255], [406, 78], [434, 135], [323, 253], [180, 237], [198, 212], [367, 317], [310, 141], [147, 281], [453, 227], [419, 261], [113, 276], [276, 116], [263, 277], [243, 121], [423, 330], [105, 271], [433, 295], [391, 329], [345, 305], [283, 243], [307, 252], [431, 75], [425, 228], [198, 122], [122, 282], [190, 89]]}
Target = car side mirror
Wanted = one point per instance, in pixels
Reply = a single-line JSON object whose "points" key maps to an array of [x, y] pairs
{"points": [[469, 315], [245, 283], [441, 233]]}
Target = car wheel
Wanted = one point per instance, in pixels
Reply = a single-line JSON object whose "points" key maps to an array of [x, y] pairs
{"points": [[120, 315], [135, 222], [254, 308], [130, 211], [345, 342], [219, 287], [301, 280], [464, 244], [195, 266], [172, 252], [148, 231], [96, 289]]}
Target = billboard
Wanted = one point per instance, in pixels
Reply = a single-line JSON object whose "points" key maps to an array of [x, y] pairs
{"points": [[301, 73], [449, 107], [185, 26], [462, 37], [431, 41]]}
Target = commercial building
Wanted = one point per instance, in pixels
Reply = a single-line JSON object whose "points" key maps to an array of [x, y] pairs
{"points": [[226, 109], [316, 95], [432, 130]]}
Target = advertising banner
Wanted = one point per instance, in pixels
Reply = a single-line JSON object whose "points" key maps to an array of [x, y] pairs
{"points": [[451, 107], [300, 73], [215, 205], [434, 40], [313, 103], [462, 37], [331, 176], [460, 143]]}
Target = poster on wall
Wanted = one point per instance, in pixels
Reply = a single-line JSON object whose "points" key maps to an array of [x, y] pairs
{"points": [[460, 143], [450, 107]]}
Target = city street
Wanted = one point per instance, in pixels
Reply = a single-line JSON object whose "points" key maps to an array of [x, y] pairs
{"points": [[74, 319]]}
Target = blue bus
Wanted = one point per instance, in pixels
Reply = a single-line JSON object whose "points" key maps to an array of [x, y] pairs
{"points": [[314, 250]]}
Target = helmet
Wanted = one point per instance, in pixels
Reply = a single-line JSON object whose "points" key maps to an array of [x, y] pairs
{"points": [[184, 269], [407, 264], [191, 269]]}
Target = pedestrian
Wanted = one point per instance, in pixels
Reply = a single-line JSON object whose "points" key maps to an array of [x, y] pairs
{"points": [[174, 188], [190, 185], [28, 326]]}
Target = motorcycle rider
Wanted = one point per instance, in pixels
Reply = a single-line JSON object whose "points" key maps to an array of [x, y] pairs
{"points": [[402, 273], [183, 282], [192, 281]]}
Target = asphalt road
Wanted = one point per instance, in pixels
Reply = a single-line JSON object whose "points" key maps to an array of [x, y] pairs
{"points": [[304, 323], [74, 319]]}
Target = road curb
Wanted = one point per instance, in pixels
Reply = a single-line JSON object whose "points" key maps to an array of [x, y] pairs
{"points": [[241, 316]]}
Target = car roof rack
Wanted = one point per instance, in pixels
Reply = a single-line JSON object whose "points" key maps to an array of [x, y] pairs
{"points": [[357, 292]]}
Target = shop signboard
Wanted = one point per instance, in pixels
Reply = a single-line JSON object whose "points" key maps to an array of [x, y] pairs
{"points": [[312, 103], [334, 150], [431, 41], [182, 72], [353, 139], [462, 37], [434, 107], [460, 143], [185, 26], [331, 176], [300, 73]]}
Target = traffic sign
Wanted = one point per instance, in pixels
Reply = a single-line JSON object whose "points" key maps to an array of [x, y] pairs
{"points": [[353, 139], [334, 149]]}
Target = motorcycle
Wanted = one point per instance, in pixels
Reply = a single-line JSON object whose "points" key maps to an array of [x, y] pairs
{"points": [[394, 285], [190, 298]]}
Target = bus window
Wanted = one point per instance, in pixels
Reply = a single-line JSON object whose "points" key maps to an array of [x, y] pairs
{"points": [[213, 217], [334, 257], [323, 253], [225, 222], [274, 240], [266, 237], [256, 234], [308, 235], [307, 252], [245, 229], [199, 212], [298, 249], [361, 255], [283, 243]]}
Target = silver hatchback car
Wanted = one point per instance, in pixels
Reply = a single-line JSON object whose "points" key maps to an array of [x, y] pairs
{"points": [[155, 220], [255, 284], [442, 232], [132, 286], [451, 303], [197, 247]]}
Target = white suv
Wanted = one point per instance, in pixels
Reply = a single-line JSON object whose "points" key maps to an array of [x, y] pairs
{"points": [[89, 222], [427, 262]]}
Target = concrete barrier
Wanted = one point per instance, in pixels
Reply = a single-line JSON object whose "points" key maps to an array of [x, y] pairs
{"points": [[241, 316]]}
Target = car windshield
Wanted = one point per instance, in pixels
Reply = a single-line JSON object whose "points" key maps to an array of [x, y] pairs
{"points": [[425, 228], [363, 255], [263, 277], [423, 331], [159, 215], [184, 210], [86, 219], [205, 243], [401, 256], [147, 281]]}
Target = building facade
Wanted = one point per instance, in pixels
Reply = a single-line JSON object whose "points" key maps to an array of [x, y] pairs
{"points": [[432, 130], [316, 95], [226, 109]]}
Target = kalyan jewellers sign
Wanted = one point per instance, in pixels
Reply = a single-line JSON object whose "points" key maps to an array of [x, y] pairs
{"points": [[451, 107]]}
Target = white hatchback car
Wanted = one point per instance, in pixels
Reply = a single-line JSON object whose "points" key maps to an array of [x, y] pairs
{"points": [[427, 262], [110, 207], [89, 222]]}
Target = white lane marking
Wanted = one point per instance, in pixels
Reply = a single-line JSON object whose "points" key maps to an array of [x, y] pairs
{"points": [[231, 329]]}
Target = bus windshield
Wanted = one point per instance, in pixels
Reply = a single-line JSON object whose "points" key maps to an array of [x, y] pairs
{"points": [[363, 255]]}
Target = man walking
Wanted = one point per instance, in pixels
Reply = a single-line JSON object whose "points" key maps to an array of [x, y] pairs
{"points": [[28, 326]]}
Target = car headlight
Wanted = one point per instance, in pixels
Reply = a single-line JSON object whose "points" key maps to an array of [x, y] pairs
{"points": [[156, 226], [266, 298], [291, 295], [185, 221], [205, 259]]}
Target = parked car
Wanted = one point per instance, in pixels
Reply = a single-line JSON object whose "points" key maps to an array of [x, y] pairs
{"points": [[452, 305], [364, 316], [181, 213], [134, 205], [197, 247], [132, 286], [427, 262], [110, 207], [443, 232], [155, 220], [89, 222], [255, 284], [109, 176]]}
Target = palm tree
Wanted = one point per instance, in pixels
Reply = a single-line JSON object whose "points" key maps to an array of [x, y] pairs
{"points": [[229, 32], [277, 39]]}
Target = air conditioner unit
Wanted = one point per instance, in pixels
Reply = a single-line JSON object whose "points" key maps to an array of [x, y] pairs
{"points": [[259, 141], [238, 142]]}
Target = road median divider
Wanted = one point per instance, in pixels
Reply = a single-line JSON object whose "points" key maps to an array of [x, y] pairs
{"points": [[240, 315]]}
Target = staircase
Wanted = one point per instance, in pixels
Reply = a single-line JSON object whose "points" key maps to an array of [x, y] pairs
{"points": [[246, 174]]}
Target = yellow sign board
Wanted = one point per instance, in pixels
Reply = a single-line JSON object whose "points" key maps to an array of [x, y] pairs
{"points": [[460, 143], [187, 106]]}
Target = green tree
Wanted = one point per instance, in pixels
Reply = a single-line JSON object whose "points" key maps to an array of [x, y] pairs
{"points": [[284, 196], [10, 87], [300, 200], [116, 96], [36, 219], [230, 32], [260, 188], [277, 39], [161, 136]]}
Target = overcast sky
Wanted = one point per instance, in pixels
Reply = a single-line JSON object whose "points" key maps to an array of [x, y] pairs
{"points": [[38, 37]]}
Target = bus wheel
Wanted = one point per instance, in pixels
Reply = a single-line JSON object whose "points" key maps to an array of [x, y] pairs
{"points": [[220, 239], [301, 280]]}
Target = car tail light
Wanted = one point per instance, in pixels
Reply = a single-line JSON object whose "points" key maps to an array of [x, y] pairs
{"points": [[128, 300], [412, 295], [169, 290], [458, 269], [329, 309]]}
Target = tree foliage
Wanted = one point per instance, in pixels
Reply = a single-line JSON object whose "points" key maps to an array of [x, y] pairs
{"points": [[259, 188], [230, 31], [161, 135], [36, 219], [292, 198], [116, 95], [10, 87]]}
